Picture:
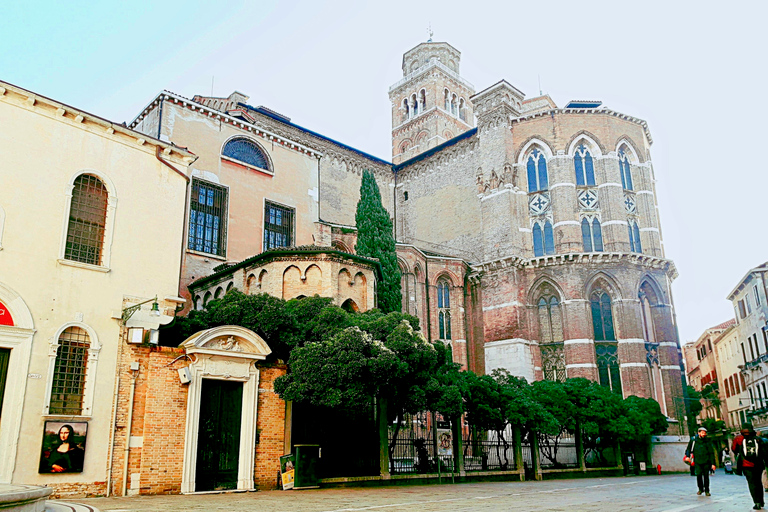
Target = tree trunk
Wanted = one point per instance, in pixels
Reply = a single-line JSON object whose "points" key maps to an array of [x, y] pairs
{"points": [[383, 441]]}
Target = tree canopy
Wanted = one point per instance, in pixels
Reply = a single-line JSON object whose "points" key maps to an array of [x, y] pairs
{"points": [[376, 240]]}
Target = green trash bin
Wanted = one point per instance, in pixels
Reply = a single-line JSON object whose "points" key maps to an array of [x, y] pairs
{"points": [[307, 462]]}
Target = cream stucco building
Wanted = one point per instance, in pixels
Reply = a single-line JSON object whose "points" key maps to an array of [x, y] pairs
{"points": [[91, 222]]}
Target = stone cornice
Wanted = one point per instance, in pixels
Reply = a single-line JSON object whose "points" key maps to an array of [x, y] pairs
{"points": [[23, 98], [604, 111], [602, 258]]}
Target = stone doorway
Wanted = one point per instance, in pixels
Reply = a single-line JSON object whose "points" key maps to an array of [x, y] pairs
{"points": [[5, 357], [218, 442]]}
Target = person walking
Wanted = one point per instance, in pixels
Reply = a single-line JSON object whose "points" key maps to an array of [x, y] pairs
{"points": [[703, 456], [750, 452]]}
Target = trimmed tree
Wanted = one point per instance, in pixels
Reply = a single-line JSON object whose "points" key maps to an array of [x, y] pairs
{"points": [[375, 240]]}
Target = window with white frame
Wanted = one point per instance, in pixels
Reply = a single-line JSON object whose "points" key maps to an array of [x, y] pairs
{"points": [[87, 220], [208, 218], [543, 238], [591, 234], [536, 166], [625, 169], [584, 166], [756, 292], [634, 237], [444, 309], [74, 356]]}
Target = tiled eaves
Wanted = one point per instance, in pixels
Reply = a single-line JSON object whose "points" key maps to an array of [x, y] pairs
{"points": [[82, 119], [237, 122], [590, 111]]}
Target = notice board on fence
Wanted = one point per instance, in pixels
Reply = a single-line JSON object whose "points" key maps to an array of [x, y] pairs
{"points": [[287, 469]]}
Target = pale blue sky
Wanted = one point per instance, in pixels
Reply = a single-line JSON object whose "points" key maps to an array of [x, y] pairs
{"points": [[696, 71]]}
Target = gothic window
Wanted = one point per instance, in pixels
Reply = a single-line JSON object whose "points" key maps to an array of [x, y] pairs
{"points": [[406, 110], [447, 100], [608, 366], [455, 105], [87, 220], [207, 218], [585, 170], [624, 168], [537, 171], [553, 362], [550, 320], [543, 239], [602, 316], [68, 385], [592, 235], [414, 105], [422, 100], [462, 110], [634, 237], [444, 309], [247, 152]]}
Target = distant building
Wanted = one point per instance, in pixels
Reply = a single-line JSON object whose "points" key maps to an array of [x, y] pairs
{"points": [[751, 310], [733, 393]]}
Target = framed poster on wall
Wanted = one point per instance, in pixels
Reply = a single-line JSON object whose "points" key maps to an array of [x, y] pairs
{"points": [[63, 449]]}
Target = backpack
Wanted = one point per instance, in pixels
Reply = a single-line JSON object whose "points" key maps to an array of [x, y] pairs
{"points": [[751, 447]]}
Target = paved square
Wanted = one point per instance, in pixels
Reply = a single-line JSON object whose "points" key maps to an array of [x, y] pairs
{"points": [[672, 493]]}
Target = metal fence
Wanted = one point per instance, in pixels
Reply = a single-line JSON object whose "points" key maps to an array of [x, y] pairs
{"points": [[423, 445]]}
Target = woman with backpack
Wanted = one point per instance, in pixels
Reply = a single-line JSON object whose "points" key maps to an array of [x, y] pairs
{"points": [[750, 452]]}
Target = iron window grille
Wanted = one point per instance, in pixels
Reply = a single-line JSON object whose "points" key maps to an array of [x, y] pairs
{"points": [[68, 387], [247, 152], [87, 220], [278, 226], [208, 218], [608, 366]]}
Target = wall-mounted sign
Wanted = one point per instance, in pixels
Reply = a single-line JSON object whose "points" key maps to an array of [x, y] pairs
{"points": [[5, 315], [63, 447], [34, 376]]}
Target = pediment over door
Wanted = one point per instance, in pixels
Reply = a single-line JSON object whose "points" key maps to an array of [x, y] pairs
{"points": [[230, 341]]}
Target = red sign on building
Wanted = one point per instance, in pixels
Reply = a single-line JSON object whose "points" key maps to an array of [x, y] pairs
{"points": [[5, 315]]}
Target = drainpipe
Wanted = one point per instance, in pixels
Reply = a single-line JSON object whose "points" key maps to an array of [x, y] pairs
{"points": [[186, 209], [127, 450], [394, 205], [426, 297]]}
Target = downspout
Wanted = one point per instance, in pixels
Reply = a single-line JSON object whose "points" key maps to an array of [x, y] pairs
{"points": [[127, 450], [394, 204], [113, 427], [426, 290], [186, 207]]}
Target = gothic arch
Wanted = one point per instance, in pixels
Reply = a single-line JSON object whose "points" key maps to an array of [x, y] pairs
{"points": [[538, 287], [603, 280], [530, 142], [591, 140], [659, 295], [446, 274], [634, 153], [338, 244]]}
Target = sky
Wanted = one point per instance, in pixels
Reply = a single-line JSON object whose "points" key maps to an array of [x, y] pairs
{"points": [[695, 71]]}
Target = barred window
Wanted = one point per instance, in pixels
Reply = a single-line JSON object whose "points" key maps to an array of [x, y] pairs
{"points": [[246, 151], [68, 387], [550, 320], [278, 226], [553, 362], [87, 220], [208, 218], [608, 366]]}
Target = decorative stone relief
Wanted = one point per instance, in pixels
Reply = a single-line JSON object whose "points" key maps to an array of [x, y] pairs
{"points": [[652, 353], [629, 203], [539, 204], [588, 199], [230, 344]]}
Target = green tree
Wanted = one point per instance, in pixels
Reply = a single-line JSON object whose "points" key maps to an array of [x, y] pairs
{"points": [[375, 240], [693, 404]]}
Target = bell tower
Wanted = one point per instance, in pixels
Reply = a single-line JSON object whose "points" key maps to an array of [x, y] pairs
{"points": [[430, 104]]}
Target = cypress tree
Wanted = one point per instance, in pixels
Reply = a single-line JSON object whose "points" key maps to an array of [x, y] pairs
{"points": [[375, 240]]}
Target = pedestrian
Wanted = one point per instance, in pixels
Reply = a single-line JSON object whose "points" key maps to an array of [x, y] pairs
{"points": [[702, 454], [750, 452]]}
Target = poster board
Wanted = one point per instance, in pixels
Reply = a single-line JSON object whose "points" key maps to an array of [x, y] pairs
{"points": [[287, 471], [63, 449]]}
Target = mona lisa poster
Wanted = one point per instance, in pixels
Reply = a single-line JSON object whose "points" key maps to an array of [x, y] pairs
{"points": [[63, 447]]}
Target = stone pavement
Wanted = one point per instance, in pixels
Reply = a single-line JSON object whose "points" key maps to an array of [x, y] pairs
{"points": [[671, 493]]}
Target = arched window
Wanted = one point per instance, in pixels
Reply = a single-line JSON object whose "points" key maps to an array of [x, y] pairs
{"points": [[634, 237], [414, 106], [69, 373], [550, 320], [585, 170], [246, 151], [592, 235], [422, 100], [444, 309], [537, 171], [87, 220], [543, 239], [553, 362], [602, 316], [626, 174], [608, 366], [454, 105], [462, 110], [406, 110], [447, 100]]}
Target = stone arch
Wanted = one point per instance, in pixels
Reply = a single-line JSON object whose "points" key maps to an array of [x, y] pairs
{"points": [[446, 274], [591, 141], [219, 293], [230, 286], [634, 153], [263, 280], [250, 283], [528, 145], [206, 299], [649, 284], [538, 287], [350, 306], [17, 338], [338, 244], [291, 279], [361, 286], [198, 303], [605, 281], [270, 166]]}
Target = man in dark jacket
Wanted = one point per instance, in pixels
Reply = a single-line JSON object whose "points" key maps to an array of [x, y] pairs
{"points": [[751, 452], [702, 451]]}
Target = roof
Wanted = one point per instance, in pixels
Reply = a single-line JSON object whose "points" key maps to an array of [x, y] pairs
{"points": [[724, 325], [760, 268], [64, 110], [467, 134], [225, 269]]}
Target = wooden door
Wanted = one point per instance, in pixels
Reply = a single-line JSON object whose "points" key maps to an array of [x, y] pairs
{"points": [[218, 440]]}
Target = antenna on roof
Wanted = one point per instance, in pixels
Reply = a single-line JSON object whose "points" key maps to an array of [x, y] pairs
{"points": [[540, 93], [430, 33]]}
